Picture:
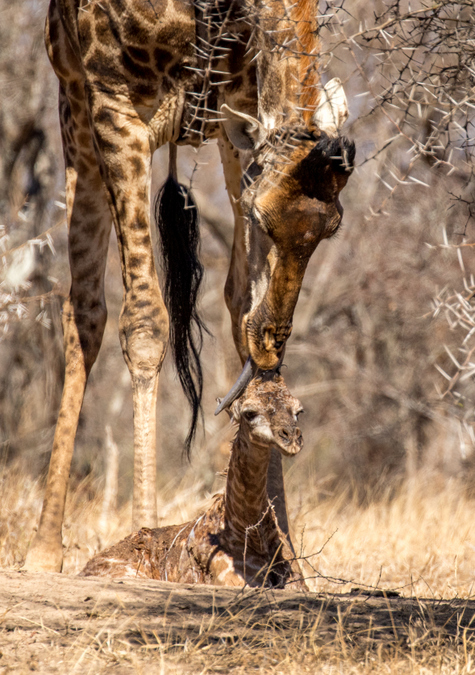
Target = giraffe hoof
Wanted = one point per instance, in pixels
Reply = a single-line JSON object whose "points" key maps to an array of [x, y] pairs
{"points": [[43, 559]]}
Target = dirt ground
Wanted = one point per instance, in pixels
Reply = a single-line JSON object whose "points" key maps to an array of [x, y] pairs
{"points": [[58, 623]]}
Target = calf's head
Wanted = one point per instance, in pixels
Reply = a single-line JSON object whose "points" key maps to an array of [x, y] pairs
{"points": [[267, 415]]}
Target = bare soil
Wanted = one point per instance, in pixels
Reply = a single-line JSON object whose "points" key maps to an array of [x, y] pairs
{"points": [[53, 623]]}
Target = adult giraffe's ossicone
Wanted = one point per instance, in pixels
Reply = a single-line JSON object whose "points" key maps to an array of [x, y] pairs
{"points": [[134, 75]]}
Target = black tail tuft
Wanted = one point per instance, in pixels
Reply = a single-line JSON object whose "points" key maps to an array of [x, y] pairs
{"points": [[177, 219]]}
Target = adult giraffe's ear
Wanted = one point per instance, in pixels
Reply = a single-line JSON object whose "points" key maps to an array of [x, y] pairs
{"points": [[242, 130], [332, 111]]}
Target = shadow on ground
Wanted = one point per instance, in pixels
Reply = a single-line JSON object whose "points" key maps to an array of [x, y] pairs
{"points": [[52, 623]]}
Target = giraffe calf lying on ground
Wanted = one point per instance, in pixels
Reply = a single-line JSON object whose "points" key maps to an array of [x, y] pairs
{"points": [[237, 540]]}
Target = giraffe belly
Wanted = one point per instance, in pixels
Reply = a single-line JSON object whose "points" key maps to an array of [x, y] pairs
{"points": [[155, 58], [136, 53]]}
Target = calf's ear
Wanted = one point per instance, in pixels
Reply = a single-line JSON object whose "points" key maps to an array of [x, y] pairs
{"points": [[234, 412]]}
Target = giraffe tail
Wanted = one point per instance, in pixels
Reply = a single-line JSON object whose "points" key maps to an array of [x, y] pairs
{"points": [[177, 220]]}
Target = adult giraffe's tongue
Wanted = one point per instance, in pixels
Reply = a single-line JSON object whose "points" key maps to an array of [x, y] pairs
{"points": [[249, 372], [238, 387]]}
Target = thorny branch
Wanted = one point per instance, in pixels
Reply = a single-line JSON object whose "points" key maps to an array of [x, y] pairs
{"points": [[409, 72]]}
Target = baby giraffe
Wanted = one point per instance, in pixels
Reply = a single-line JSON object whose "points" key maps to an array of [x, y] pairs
{"points": [[237, 541]]}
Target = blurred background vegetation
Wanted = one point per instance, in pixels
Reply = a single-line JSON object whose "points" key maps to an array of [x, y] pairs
{"points": [[381, 352]]}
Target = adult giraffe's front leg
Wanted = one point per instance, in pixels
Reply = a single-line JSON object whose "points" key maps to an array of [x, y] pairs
{"points": [[237, 296], [236, 291], [125, 150]]}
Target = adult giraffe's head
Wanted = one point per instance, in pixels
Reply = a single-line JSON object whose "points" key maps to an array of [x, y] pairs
{"points": [[290, 198]]}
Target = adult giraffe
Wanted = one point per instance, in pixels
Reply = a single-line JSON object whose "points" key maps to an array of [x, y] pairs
{"points": [[135, 74]]}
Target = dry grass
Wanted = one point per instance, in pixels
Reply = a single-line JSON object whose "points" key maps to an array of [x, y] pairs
{"points": [[420, 542]]}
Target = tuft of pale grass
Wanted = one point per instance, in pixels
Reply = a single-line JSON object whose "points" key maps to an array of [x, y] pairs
{"points": [[21, 498], [420, 541]]}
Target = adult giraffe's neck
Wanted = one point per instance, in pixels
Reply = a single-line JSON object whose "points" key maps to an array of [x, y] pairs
{"points": [[246, 502], [287, 63]]}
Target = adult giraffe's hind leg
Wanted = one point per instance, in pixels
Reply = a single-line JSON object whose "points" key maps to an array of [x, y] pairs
{"points": [[125, 150], [84, 314]]}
